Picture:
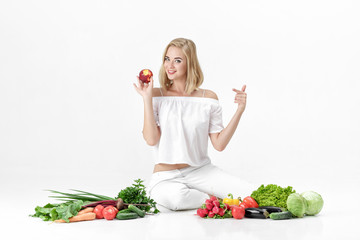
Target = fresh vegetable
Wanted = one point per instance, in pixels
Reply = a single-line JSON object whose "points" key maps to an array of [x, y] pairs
{"points": [[250, 202], [214, 208], [136, 194], [256, 213], [221, 212], [281, 215], [314, 202], [52, 212], [137, 210], [109, 212], [296, 204], [80, 217], [237, 212], [243, 204], [126, 211], [126, 216], [80, 195], [272, 195], [86, 210], [98, 211], [211, 214], [231, 201], [202, 212], [271, 209]]}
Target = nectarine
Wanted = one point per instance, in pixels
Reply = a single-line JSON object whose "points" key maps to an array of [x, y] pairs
{"points": [[145, 75]]}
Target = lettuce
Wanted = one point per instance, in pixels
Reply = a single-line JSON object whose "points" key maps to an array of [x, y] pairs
{"points": [[52, 212], [272, 195]]}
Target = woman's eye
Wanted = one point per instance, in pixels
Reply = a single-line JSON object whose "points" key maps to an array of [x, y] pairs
{"points": [[167, 59], [178, 60]]}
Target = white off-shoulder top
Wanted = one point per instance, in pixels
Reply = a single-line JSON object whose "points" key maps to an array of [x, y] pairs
{"points": [[185, 124]]}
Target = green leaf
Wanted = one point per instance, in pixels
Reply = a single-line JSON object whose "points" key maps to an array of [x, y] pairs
{"points": [[58, 211]]}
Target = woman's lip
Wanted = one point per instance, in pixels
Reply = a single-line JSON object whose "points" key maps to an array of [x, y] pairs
{"points": [[171, 72]]}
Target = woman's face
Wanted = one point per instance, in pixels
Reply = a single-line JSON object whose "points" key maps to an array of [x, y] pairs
{"points": [[175, 63]]}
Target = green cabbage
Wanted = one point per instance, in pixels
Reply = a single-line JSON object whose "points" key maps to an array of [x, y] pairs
{"points": [[296, 204], [314, 202]]}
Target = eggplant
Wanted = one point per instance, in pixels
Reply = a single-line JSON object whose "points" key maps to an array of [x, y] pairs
{"points": [[271, 209], [256, 213]]}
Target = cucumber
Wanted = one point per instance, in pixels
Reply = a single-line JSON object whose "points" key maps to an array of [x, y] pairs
{"points": [[280, 215], [136, 210], [126, 211], [126, 216]]}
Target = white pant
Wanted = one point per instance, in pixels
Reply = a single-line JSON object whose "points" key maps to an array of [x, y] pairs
{"points": [[188, 188]]}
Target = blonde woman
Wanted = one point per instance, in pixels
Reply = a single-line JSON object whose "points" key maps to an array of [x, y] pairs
{"points": [[179, 118]]}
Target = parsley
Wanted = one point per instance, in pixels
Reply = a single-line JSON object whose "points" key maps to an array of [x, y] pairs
{"points": [[136, 194]]}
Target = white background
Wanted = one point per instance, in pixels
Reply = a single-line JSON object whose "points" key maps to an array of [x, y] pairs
{"points": [[70, 117]]}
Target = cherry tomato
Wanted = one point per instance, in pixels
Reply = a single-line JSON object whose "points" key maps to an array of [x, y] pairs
{"points": [[237, 212], [109, 212], [250, 202], [98, 211]]}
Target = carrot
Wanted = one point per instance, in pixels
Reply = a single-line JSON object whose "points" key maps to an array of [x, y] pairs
{"points": [[78, 218], [86, 210]]}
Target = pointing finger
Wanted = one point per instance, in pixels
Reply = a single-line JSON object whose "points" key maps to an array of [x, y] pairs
{"points": [[243, 88]]}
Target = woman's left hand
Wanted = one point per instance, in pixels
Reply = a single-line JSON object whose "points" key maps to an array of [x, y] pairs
{"points": [[240, 98]]}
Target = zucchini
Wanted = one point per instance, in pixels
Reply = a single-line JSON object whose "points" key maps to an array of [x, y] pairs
{"points": [[126, 216], [136, 210], [271, 209], [256, 213], [281, 215]]}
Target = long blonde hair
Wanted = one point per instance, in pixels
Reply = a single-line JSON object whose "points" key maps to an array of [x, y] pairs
{"points": [[194, 75]]}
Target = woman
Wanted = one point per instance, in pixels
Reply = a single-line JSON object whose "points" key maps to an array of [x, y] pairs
{"points": [[178, 119]]}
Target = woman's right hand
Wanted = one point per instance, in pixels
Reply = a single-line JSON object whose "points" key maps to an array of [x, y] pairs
{"points": [[144, 89]]}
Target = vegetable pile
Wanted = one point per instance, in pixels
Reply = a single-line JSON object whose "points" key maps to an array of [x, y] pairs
{"points": [[269, 201], [132, 202], [225, 208]]}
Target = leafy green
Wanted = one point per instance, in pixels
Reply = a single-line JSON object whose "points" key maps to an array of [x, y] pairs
{"points": [[314, 202], [136, 194], [52, 212], [297, 205], [272, 195]]}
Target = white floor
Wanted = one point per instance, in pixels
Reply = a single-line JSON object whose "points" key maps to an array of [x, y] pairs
{"points": [[339, 219]]}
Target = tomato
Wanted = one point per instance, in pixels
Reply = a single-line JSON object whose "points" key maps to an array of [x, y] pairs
{"points": [[109, 212], [98, 211], [250, 202], [237, 212]]}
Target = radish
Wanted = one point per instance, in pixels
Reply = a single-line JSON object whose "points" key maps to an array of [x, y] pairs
{"points": [[221, 212], [215, 210], [216, 203], [209, 206]]}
